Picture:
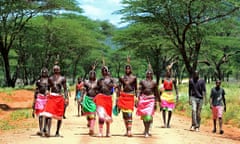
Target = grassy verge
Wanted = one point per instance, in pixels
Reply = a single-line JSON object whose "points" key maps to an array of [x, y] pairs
{"points": [[15, 120]]}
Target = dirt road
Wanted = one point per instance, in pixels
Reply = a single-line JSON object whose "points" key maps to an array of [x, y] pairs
{"points": [[74, 131]]}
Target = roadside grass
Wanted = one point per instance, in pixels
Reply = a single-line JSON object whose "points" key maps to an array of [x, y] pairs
{"points": [[5, 125], [20, 114], [14, 119], [8, 91], [231, 116]]}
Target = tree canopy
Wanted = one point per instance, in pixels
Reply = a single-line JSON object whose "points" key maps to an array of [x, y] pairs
{"points": [[183, 21], [187, 34]]}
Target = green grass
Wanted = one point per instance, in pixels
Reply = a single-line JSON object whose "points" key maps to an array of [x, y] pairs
{"points": [[232, 116], [17, 115], [5, 125], [20, 114], [6, 90], [9, 90]]}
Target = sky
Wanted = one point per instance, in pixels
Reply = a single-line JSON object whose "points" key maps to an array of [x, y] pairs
{"points": [[102, 10]]}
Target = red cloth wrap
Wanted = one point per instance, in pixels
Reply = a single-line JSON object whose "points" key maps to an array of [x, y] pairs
{"points": [[55, 106], [105, 101], [126, 101]]}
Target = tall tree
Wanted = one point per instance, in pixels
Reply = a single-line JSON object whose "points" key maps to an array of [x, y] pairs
{"points": [[14, 15], [149, 44], [70, 39], [182, 20], [221, 45]]}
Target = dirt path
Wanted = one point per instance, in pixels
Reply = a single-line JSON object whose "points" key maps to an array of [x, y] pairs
{"points": [[74, 131]]}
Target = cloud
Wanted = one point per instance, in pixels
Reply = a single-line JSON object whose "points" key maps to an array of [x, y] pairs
{"points": [[92, 11], [116, 2], [87, 1], [101, 10]]}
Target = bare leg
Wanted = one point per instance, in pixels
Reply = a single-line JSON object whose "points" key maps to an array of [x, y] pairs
{"points": [[214, 125], [164, 118], [40, 123], [146, 126], [91, 126], [79, 108], [100, 123], [151, 123], [125, 123], [44, 124], [129, 127], [127, 117], [220, 125], [59, 123], [48, 123], [108, 129], [65, 107], [88, 121], [169, 118]]}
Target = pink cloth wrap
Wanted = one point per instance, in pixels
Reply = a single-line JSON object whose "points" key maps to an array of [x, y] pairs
{"points": [[40, 103], [146, 105]]}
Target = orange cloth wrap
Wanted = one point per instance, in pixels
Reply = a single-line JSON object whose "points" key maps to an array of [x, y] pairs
{"points": [[126, 101]]}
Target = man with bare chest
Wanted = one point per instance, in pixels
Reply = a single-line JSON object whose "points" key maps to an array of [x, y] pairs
{"points": [[40, 99], [103, 101], [89, 107], [148, 92], [56, 100], [126, 93]]}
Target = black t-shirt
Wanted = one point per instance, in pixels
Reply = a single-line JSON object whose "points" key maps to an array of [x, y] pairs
{"points": [[217, 96], [197, 88]]}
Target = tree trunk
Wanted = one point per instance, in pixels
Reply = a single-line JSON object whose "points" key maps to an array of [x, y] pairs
{"points": [[186, 60], [74, 73], [8, 80]]}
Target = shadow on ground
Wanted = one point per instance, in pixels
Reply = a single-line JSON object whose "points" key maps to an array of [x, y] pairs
{"points": [[6, 107]]}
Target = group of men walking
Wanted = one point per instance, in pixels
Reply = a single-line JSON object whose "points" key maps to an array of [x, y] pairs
{"points": [[95, 100]]}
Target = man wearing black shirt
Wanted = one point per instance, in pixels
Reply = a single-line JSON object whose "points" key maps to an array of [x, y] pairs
{"points": [[197, 94]]}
